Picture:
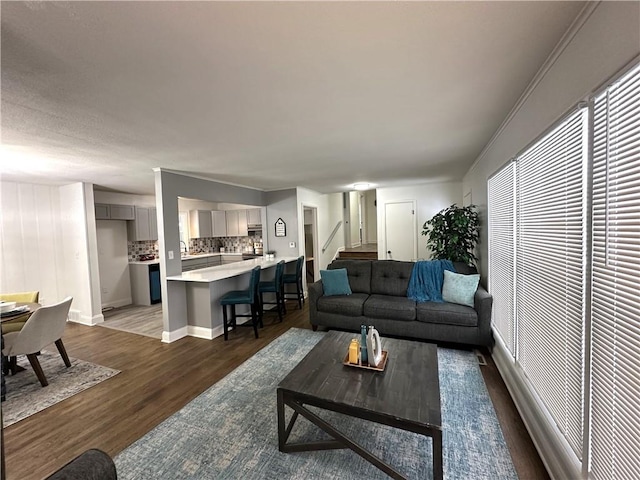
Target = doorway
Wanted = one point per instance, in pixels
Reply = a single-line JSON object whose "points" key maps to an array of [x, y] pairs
{"points": [[310, 215], [400, 231]]}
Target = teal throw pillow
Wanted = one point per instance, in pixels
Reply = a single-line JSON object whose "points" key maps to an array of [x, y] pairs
{"points": [[335, 282], [458, 288]]}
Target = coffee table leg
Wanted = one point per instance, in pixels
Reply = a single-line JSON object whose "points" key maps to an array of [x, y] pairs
{"points": [[281, 433], [437, 455]]}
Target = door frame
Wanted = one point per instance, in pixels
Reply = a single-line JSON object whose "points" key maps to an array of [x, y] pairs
{"points": [[384, 249], [314, 229]]}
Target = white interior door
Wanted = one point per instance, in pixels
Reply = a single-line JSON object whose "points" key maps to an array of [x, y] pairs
{"points": [[400, 231]]}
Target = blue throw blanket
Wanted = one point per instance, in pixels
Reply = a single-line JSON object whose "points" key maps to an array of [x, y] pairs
{"points": [[426, 280]]}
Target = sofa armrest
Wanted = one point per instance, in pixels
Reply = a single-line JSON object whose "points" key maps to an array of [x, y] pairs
{"points": [[315, 292], [483, 303]]}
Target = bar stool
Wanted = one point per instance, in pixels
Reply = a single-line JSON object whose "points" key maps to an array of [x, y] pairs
{"points": [[275, 286], [295, 279], [243, 297]]}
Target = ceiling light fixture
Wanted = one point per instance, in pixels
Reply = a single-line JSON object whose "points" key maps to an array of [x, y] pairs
{"points": [[361, 186]]}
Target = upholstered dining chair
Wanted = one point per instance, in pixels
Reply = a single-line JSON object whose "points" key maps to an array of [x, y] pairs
{"points": [[16, 324], [45, 326], [250, 297], [296, 280], [275, 286]]}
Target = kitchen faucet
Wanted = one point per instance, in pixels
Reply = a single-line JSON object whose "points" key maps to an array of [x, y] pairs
{"points": [[185, 246]]}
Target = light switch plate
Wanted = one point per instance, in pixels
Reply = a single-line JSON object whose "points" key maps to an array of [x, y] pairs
{"points": [[170, 254]]}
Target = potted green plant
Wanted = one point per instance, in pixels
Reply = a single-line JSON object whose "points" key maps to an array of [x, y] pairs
{"points": [[452, 234]]}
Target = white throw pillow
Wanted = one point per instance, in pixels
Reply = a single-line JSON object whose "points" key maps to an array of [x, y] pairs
{"points": [[460, 289]]}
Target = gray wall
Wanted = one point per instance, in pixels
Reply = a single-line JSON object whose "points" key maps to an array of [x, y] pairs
{"points": [[169, 186], [283, 204]]}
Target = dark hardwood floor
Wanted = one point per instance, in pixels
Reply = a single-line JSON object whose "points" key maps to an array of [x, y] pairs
{"points": [[158, 379]]}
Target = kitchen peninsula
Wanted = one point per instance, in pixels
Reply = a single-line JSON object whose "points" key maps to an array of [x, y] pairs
{"points": [[204, 288]]}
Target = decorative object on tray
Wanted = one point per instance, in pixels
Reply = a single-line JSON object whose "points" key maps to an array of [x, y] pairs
{"points": [[354, 351], [371, 356], [374, 347], [363, 344]]}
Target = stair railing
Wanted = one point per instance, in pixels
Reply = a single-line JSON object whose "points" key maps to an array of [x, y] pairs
{"points": [[333, 234]]}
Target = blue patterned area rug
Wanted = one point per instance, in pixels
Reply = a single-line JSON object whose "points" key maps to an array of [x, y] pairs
{"points": [[230, 431]]}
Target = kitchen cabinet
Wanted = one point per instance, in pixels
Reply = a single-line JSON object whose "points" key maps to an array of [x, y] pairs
{"points": [[189, 264], [254, 216], [237, 223], [219, 223], [226, 259], [200, 224], [145, 283], [144, 226], [106, 211]]}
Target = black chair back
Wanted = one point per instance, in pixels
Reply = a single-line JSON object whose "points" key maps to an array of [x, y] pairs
{"points": [[299, 264], [279, 276], [254, 282]]}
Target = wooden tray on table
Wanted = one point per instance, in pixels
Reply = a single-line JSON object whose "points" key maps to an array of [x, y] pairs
{"points": [[365, 365]]}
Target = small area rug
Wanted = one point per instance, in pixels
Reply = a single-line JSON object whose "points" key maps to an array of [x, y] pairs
{"points": [[230, 430], [25, 395]]}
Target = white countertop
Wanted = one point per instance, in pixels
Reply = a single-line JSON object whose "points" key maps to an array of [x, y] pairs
{"points": [[212, 254], [146, 262], [220, 272], [188, 257]]}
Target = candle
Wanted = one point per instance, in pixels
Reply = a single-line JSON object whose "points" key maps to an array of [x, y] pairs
{"points": [[354, 350]]}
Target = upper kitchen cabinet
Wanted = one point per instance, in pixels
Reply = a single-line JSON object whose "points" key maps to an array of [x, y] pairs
{"points": [[200, 224], [219, 223], [105, 211], [144, 225], [236, 223], [254, 216]]}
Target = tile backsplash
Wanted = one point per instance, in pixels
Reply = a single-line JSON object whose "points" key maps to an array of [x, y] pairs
{"points": [[135, 249], [196, 245]]}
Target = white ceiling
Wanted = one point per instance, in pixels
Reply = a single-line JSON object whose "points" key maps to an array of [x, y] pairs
{"points": [[269, 94]]}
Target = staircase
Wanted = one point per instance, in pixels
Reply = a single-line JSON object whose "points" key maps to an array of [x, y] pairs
{"points": [[367, 251]]}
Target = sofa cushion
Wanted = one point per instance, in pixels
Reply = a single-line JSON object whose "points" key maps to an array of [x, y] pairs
{"points": [[446, 314], [390, 277], [387, 306], [350, 305], [458, 288], [359, 273], [335, 282]]}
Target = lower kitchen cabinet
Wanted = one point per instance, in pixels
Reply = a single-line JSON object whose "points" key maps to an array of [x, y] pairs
{"points": [[145, 283], [189, 264]]}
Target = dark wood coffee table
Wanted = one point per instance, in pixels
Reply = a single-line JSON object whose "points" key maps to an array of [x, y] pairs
{"points": [[405, 396]]}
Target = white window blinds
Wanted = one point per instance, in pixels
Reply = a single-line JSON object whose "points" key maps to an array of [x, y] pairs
{"points": [[615, 367], [549, 272], [501, 215]]}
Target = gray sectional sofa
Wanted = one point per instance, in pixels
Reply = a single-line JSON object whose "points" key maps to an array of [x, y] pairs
{"points": [[379, 298]]}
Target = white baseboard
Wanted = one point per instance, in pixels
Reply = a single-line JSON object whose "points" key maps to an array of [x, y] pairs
{"points": [[206, 333], [553, 449], [168, 337], [121, 302], [76, 316]]}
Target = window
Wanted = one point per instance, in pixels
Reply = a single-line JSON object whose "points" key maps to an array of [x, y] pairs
{"points": [[549, 272], [567, 284], [615, 358], [536, 274], [501, 212]]}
